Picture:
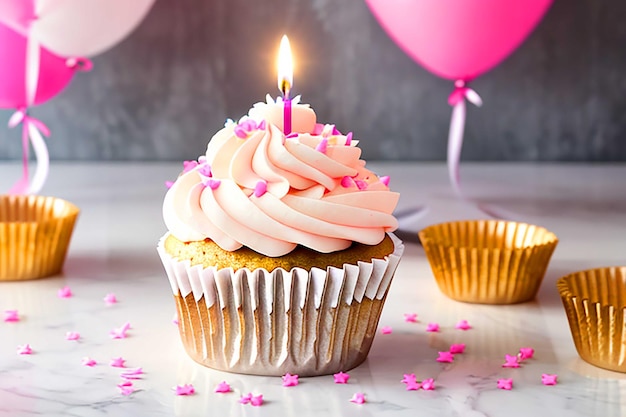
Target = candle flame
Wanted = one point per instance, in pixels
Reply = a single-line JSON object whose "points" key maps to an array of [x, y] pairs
{"points": [[285, 67]]}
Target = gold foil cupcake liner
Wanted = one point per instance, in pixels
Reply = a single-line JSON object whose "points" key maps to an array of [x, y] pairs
{"points": [[595, 304], [35, 232], [315, 322], [488, 261]]}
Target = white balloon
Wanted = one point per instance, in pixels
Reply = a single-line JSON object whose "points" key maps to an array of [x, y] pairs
{"points": [[83, 28]]}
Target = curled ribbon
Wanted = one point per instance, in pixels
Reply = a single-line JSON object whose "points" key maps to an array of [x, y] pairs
{"points": [[457, 127], [31, 128]]}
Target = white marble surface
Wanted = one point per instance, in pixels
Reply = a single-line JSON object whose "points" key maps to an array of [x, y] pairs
{"points": [[113, 250]]}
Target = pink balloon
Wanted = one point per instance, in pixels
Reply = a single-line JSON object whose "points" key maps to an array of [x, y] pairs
{"points": [[17, 14], [458, 39], [54, 73]]}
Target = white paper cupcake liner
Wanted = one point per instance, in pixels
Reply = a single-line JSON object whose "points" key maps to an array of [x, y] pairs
{"points": [[269, 323]]}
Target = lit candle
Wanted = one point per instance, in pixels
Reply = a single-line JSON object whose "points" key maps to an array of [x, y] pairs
{"points": [[285, 80]]}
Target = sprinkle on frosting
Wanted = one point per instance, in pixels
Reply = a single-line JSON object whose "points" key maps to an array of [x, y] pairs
{"points": [[290, 380], [292, 135], [341, 377], [222, 388], [65, 292], [432, 327], [463, 325], [260, 188], [358, 398], [386, 330], [446, 357], [168, 184], [11, 316], [505, 383], [457, 348], [322, 146], [510, 361], [189, 165], [410, 317], [347, 182], [549, 379], [212, 183], [72, 336], [385, 180], [349, 139], [362, 185], [205, 171], [186, 389], [24, 349]]}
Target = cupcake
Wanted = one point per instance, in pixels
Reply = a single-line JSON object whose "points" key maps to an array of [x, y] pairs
{"points": [[35, 233], [279, 249], [488, 261], [595, 304]]}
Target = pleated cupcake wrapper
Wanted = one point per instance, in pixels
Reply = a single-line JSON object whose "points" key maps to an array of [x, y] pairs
{"points": [[35, 233], [313, 322], [488, 262], [595, 304]]}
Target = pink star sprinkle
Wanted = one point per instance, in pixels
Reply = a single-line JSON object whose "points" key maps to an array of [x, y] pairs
{"points": [[189, 165], [510, 361], [410, 317], [506, 384], [211, 183], [358, 398], [110, 299], [134, 373], [24, 350], [408, 378], [186, 389], [222, 387], [121, 332], [463, 325], [168, 184], [447, 357], [526, 353], [432, 327], [89, 362], [428, 384], [457, 348], [11, 316], [118, 362], [205, 171], [290, 380], [72, 336], [245, 399], [126, 387], [256, 400], [413, 385], [386, 330], [341, 378], [549, 379], [65, 292]]}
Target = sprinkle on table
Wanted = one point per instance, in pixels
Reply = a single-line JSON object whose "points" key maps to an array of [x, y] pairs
{"points": [[446, 357], [110, 299], [457, 348], [505, 383], [72, 336], [407, 378], [120, 333], [386, 330], [11, 316], [290, 380], [526, 353], [428, 384], [410, 317], [65, 292], [413, 385], [186, 389], [341, 378], [126, 387], [549, 379], [87, 361], [222, 388], [24, 349], [358, 398], [432, 327], [463, 325], [118, 362], [133, 373], [510, 361]]}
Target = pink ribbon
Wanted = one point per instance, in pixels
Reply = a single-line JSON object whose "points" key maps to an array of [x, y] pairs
{"points": [[32, 129], [457, 128]]}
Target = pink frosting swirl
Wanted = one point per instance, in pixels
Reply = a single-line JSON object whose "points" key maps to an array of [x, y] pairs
{"points": [[257, 188]]}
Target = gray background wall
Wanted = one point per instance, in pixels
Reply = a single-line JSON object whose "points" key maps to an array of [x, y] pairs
{"points": [[165, 90]]}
